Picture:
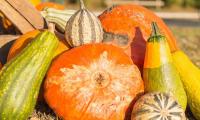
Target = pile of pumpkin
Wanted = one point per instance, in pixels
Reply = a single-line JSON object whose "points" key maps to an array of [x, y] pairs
{"points": [[94, 71]]}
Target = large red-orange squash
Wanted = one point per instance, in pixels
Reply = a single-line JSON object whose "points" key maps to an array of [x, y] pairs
{"points": [[92, 82], [129, 26]]}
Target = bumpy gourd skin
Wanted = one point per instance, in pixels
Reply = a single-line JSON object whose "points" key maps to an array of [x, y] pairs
{"points": [[190, 76], [20, 79], [160, 74]]}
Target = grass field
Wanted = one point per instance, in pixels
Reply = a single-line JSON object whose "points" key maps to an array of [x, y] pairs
{"points": [[188, 39]]}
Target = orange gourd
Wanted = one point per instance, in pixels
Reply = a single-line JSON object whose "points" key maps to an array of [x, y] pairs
{"points": [[92, 82], [43, 5], [129, 26], [21, 42]]}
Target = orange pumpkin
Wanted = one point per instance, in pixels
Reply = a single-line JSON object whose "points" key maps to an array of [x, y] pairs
{"points": [[43, 5], [92, 82], [129, 26], [21, 43]]}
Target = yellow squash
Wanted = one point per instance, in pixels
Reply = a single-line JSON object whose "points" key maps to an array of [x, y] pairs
{"points": [[190, 75]]}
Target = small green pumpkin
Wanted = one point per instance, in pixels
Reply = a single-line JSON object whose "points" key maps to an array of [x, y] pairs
{"points": [[157, 106]]}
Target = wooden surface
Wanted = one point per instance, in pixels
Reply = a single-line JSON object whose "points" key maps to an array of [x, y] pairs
{"points": [[22, 24], [29, 12], [4, 39], [24, 16]]}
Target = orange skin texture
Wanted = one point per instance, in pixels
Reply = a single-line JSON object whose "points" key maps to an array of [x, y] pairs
{"points": [[135, 22], [21, 43], [43, 5], [69, 106]]}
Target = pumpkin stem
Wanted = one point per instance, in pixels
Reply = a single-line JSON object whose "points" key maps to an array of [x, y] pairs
{"points": [[82, 5], [101, 78], [51, 27], [156, 35], [155, 29]]}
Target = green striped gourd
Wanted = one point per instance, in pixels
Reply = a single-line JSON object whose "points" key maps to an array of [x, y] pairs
{"points": [[157, 106], [160, 74], [20, 79], [58, 17], [83, 28]]}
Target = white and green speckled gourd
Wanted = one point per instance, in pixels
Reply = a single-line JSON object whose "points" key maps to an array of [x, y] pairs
{"points": [[157, 106]]}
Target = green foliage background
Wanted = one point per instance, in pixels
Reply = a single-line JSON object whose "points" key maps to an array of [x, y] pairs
{"points": [[183, 3], [168, 3]]}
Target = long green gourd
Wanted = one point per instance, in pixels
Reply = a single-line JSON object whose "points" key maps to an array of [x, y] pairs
{"points": [[20, 79], [160, 74]]}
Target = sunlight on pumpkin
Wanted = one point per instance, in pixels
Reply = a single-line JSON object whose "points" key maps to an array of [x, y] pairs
{"points": [[101, 89]]}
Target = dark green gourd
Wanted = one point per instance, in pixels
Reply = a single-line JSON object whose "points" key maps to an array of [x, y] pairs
{"points": [[160, 74], [20, 79]]}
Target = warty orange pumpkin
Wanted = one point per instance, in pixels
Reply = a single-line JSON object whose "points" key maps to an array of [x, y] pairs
{"points": [[129, 26], [92, 82]]}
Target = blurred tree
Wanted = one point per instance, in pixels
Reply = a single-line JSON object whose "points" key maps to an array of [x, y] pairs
{"points": [[58, 1], [76, 1], [88, 3], [103, 3], [173, 2], [187, 3], [197, 3], [72, 1]]}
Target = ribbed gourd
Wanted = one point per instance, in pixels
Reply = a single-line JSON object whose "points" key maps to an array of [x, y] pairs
{"points": [[97, 85], [58, 17], [157, 106], [160, 74], [83, 28], [20, 79]]}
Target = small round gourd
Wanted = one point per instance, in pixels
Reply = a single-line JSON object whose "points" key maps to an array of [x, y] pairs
{"points": [[157, 106], [83, 27]]}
